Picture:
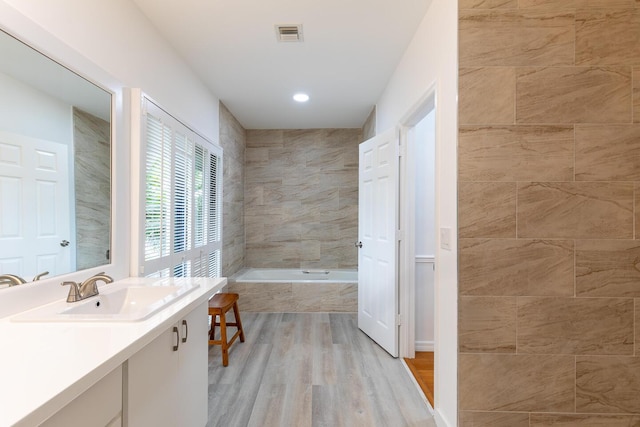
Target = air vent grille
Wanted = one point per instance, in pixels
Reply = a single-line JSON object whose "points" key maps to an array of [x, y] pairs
{"points": [[289, 32]]}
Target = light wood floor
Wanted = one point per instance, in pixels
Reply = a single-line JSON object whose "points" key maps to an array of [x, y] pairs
{"points": [[422, 369], [310, 369]]}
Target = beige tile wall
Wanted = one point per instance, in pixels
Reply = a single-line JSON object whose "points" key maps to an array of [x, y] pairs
{"points": [[301, 198], [233, 141], [549, 212]]}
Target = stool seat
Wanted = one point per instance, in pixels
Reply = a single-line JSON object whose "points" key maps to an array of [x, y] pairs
{"points": [[219, 304]]}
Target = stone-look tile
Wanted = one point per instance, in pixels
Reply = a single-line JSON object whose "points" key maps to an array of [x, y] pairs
{"points": [[608, 268], [583, 210], [573, 95], [487, 4], [549, 325], [636, 94], [584, 420], [325, 297], [608, 152], [572, 4], [516, 267], [493, 419], [500, 382], [486, 96], [608, 37], [486, 209], [608, 384], [515, 38], [515, 153], [262, 297], [369, 126], [296, 178], [487, 324]]}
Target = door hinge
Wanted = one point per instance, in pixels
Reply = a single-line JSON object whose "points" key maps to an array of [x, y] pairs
{"points": [[398, 320]]}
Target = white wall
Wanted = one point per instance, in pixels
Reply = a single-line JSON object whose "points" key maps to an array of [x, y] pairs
{"points": [[431, 61]]}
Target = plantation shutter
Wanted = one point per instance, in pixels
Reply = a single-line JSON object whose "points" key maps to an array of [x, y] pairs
{"points": [[182, 206]]}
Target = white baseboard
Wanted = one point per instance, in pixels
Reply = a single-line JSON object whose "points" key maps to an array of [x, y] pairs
{"points": [[425, 346]]}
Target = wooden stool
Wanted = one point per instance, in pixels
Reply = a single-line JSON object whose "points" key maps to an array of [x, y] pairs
{"points": [[218, 306]]}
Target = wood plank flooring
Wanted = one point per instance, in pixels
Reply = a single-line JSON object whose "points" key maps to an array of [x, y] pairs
{"points": [[422, 369], [310, 369]]}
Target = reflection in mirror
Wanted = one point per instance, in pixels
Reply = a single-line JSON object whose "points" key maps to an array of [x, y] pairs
{"points": [[55, 167]]}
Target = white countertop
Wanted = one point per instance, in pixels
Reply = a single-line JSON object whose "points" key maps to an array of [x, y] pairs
{"points": [[44, 366]]}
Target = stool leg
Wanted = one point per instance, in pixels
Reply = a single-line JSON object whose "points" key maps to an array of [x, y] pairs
{"points": [[236, 313], [223, 338], [212, 332]]}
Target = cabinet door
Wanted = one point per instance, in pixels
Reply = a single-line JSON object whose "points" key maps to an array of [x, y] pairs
{"points": [[153, 381], [194, 380]]}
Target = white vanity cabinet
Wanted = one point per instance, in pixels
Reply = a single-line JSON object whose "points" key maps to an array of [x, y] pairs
{"points": [[167, 381], [99, 406]]}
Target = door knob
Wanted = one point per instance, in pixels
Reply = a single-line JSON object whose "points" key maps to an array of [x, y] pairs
{"points": [[359, 245], [64, 243]]}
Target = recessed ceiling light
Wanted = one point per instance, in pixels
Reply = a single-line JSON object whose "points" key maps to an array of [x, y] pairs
{"points": [[301, 97]]}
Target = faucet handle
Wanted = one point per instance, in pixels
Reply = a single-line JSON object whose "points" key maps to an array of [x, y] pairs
{"points": [[74, 291]]}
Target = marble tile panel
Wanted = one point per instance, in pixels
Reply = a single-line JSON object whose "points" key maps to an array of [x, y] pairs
{"points": [[487, 324], [262, 297], [608, 268], [584, 420], [573, 94], [636, 94], [256, 156], [262, 175], [276, 255], [588, 210], [516, 267], [493, 419], [324, 297], [608, 152], [505, 382], [596, 326], [486, 209], [310, 250], [608, 37], [573, 4], [348, 196], [264, 138], [515, 153], [486, 95], [487, 4], [608, 384], [515, 38]]}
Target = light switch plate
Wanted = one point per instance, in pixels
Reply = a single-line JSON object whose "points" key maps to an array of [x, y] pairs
{"points": [[445, 238]]}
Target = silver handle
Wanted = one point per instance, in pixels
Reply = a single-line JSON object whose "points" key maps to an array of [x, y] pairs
{"points": [[359, 245], [175, 347], [64, 243], [186, 331]]}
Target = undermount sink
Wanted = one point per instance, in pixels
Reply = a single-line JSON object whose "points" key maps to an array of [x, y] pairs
{"points": [[124, 304]]}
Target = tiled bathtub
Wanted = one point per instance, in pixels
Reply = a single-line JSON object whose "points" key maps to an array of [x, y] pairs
{"points": [[290, 291]]}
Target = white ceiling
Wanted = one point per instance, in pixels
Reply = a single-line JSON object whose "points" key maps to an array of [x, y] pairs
{"points": [[350, 50]]}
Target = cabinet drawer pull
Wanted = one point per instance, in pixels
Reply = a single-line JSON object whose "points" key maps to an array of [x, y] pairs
{"points": [[186, 331], [175, 347]]}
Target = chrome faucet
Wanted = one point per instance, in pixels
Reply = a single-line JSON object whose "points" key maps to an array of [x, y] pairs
{"points": [[11, 279], [86, 289]]}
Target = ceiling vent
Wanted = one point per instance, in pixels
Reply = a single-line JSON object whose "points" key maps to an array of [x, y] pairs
{"points": [[289, 33]]}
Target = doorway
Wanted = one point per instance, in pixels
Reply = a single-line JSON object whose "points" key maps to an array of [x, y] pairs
{"points": [[418, 248]]}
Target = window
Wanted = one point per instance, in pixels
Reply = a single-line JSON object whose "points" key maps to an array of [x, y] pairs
{"points": [[182, 198]]}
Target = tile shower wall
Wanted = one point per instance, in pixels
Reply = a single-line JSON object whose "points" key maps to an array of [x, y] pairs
{"points": [[232, 141], [92, 184], [549, 212], [301, 198]]}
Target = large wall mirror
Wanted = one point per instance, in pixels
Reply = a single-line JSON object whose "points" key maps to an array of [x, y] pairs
{"points": [[55, 166]]}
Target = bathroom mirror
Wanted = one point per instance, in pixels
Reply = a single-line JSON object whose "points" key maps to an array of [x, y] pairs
{"points": [[55, 166]]}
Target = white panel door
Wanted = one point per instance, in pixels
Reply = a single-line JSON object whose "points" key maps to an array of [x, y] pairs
{"points": [[34, 195], [377, 229]]}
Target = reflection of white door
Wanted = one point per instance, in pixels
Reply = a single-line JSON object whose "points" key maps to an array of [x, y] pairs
{"points": [[377, 228], [34, 195]]}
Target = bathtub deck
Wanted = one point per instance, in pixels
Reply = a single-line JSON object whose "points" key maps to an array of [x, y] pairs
{"points": [[310, 369]]}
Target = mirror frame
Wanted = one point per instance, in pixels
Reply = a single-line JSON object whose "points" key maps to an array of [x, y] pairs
{"points": [[27, 31]]}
